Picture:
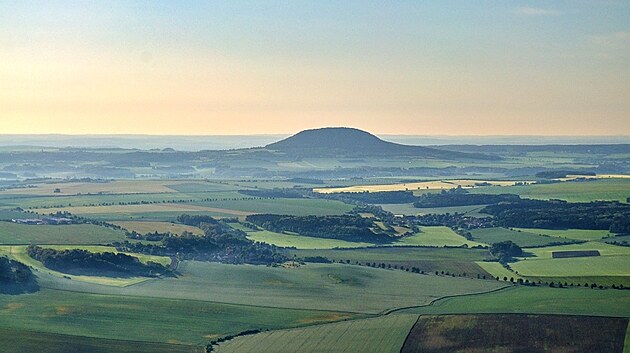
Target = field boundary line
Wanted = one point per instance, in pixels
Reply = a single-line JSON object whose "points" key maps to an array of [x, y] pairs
{"points": [[409, 334], [390, 311]]}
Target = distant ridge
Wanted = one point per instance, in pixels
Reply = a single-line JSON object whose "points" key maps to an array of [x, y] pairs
{"points": [[345, 141]]}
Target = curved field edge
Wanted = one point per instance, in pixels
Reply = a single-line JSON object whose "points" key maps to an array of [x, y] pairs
{"points": [[384, 334], [534, 300]]}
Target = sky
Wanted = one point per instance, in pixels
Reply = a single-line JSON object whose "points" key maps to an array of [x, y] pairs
{"points": [[278, 67]]}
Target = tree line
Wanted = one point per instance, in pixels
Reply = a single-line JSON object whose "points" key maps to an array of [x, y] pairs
{"points": [[344, 227]]}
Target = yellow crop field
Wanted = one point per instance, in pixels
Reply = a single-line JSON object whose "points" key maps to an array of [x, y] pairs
{"points": [[160, 227], [423, 185]]}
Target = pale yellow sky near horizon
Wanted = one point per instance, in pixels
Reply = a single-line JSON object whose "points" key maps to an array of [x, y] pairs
{"points": [[194, 69]]}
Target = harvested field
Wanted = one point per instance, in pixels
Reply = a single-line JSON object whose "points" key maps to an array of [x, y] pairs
{"points": [[577, 253], [516, 333]]}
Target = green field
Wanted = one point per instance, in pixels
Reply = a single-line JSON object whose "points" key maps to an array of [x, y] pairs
{"points": [[536, 300], [429, 236], [144, 319], [384, 334], [301, 242], [604, 249], [521, 238], [19, 341], [437, 236], [161, 227], [15, 234], [299, 288], [577, 234], [409, 209], [497, 270], [591, 266], [297, 207], [572, 191], [451, 260]]}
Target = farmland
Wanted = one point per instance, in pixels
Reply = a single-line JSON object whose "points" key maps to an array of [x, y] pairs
{"points": [[572, 191], [160, 227], [412, 186], [535, 300], [16, 234], [302, 242], [523, 238], [19, 253], [302, 287], [516, 333], [437, 236], [367, 297], [379, 335], [144, 319], [18, 341], [577, 234]]}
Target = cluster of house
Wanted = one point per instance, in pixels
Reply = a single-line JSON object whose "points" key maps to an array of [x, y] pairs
{"points": [[44, 220]]}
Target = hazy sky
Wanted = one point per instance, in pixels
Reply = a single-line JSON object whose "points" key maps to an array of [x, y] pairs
{"points": [[240, 67]]}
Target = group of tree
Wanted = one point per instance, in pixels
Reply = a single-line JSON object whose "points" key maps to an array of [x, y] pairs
{"points": [[344, 227], [83, 262], [550, 214], [220, 243], [14, 272], [505, 251], [459, 197], [557, 174]]}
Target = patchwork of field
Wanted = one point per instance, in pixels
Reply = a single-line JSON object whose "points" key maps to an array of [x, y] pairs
{"points": [[109, 187], [15, 234], [222, 208], [384, 334], [412, 186], [145, 319], [139, 209], [611, 268], [516, 333], [160, 227], [437, 236], [572, 191], [429, 236], [522, 238]]}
